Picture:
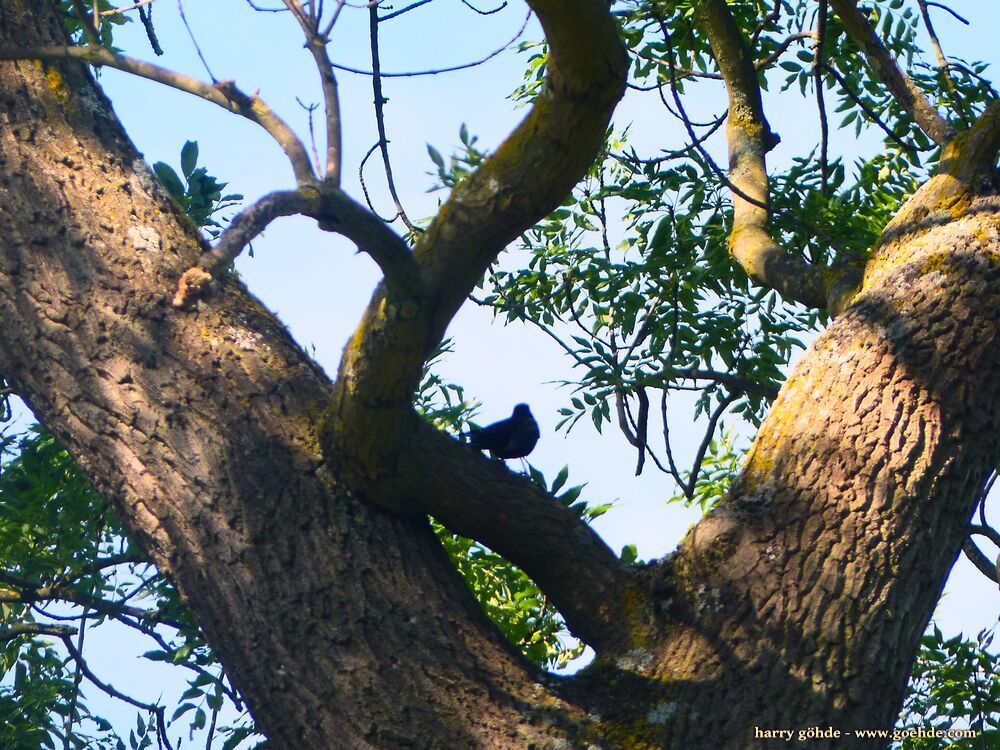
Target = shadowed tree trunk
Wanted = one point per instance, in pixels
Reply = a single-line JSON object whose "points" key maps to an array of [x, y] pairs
{"points": [[289, 509]]}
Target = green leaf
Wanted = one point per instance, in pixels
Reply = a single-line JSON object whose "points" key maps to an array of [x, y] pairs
{"points": [[170, 180], [189, 157]]}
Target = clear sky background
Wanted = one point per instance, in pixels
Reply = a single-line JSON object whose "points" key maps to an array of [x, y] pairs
{"points": [[318, 285]]}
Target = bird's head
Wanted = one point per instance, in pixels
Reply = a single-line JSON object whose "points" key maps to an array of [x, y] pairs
{"points": [[522, 410]]}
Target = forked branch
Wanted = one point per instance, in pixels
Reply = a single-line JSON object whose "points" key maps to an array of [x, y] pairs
{"points": [[370, 433], [316, 44]]}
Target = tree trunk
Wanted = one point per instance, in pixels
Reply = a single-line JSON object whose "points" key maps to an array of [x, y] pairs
{"points": [[343, 625], [799, 602]]}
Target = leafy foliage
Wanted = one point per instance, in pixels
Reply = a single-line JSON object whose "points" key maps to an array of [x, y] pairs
{"points": [[632, 276], [64, 557], [954, 686], [74, 24], [199, 194]]}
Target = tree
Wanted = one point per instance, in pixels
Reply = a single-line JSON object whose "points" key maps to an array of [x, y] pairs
{"points": [[291, 510]]}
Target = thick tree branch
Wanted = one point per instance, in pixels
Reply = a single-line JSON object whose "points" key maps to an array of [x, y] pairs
{"points": [[966, 162], [887, 70], [370, 431], [201, 430], [224, 94], [527, 177], [750, 138], [482, 499]]}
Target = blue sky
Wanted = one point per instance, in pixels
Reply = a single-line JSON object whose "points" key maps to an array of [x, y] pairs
{"points": [[318, 285]]}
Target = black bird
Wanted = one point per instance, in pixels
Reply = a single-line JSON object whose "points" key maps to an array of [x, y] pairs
{"points": [[509, 438]]}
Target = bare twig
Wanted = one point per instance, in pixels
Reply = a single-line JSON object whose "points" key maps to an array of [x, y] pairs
{"points": [[673, 471], [380, 100], [197, 47], [987, 487], [364, 185], [316, 44], [949, 10], [713, 422], [817, 71], [405, 9], [333, 19], [211, 728], [310, 108], [101, 684], [490, 12], [77, 679], [438, 71]]}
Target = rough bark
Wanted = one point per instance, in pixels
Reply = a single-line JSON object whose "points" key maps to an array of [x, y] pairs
{"points": [[343, 625], [799, 602]]}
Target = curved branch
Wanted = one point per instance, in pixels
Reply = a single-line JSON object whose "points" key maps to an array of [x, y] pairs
{"points": [[750, 138], [98, 682], [887, 70], [334, 210], [529, 175], [987, 531], [436, 71], [224, 94]]}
